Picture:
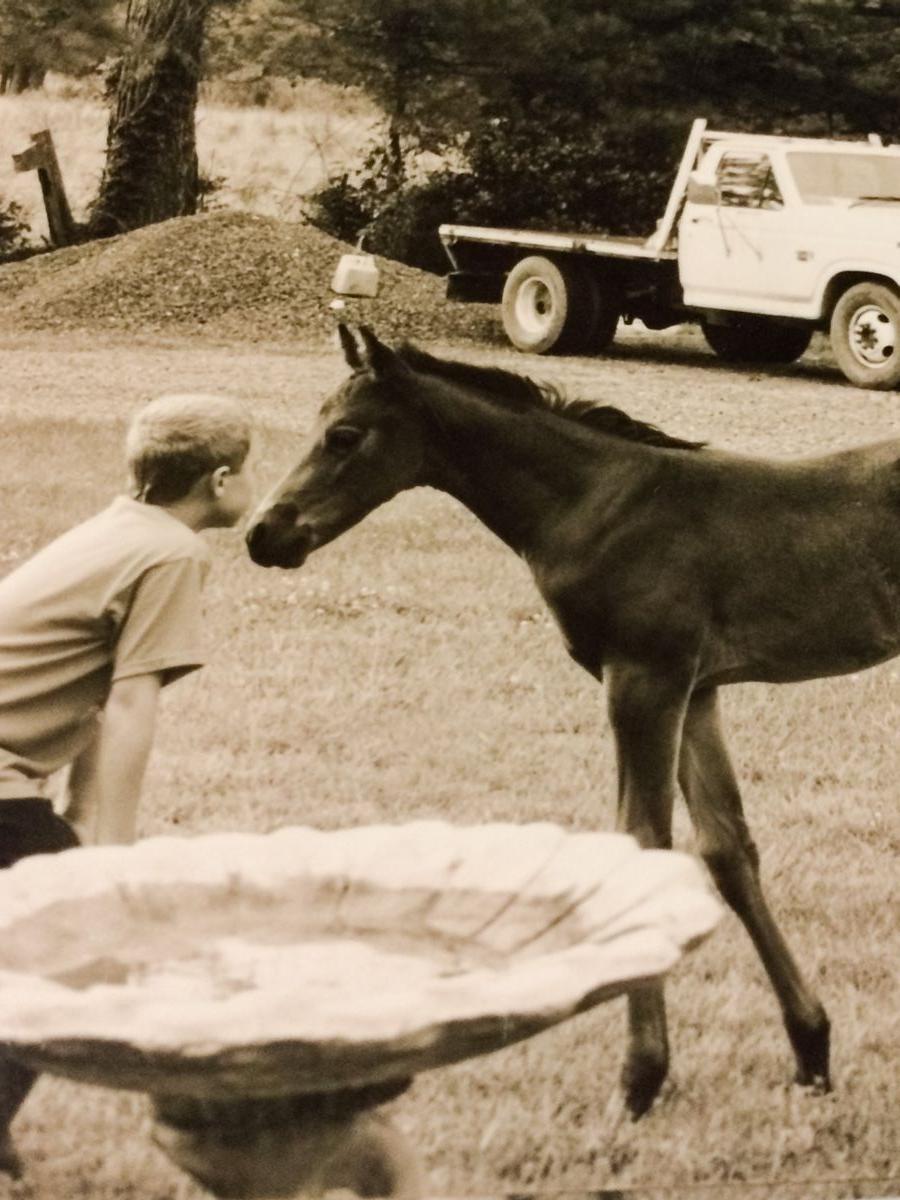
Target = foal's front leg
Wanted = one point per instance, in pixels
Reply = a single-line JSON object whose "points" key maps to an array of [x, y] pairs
{"points": [[646, 711]]}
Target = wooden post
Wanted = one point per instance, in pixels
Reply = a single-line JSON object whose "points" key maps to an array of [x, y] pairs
{"points": [[41, 157]]}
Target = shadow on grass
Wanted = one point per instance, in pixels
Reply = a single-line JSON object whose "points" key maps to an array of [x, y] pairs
{"points": [[697, 358]]}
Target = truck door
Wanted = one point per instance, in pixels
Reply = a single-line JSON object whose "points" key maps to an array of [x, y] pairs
{"points": [[740, 244]]}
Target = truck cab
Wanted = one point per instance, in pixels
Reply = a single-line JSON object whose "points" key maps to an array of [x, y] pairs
{"points": [[773, 226]]}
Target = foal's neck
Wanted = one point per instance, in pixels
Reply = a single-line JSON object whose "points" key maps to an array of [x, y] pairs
{"points": [[517, 471]]}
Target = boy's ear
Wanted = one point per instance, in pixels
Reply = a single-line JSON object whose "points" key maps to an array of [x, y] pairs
{"points": [[217, 479]]}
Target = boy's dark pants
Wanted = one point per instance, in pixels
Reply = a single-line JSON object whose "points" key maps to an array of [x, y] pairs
{"points": [[26, 827]]}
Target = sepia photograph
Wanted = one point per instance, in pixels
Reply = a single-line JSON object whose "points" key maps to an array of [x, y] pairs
{"points": [[449, 599]]}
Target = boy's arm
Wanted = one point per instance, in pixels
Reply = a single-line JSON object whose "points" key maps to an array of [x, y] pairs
{"points": [[159, 641], [105, 781]]}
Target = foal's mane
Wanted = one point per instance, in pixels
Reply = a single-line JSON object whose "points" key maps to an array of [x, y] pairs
{"points": [[521, 394]]}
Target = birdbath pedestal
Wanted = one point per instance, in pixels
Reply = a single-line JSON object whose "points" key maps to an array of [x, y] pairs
{"points": [[307, 1144]]}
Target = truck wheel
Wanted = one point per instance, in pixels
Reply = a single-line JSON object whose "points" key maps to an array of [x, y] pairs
{"points": [[865, 335], [757, 340], [550, 307]]}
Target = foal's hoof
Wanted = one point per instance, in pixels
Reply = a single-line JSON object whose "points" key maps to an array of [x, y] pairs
{"points": [[641, 1082], [816, 1083], [812, 1050]]}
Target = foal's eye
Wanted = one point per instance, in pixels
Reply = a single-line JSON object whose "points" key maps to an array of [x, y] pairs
{"points": [[343, 438]]}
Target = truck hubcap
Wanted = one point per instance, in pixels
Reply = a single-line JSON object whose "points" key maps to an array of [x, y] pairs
{"points": [[534, 306], [872, 336]]}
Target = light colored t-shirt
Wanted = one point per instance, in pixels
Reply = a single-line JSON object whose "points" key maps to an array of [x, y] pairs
{"points": [[117, 596]]}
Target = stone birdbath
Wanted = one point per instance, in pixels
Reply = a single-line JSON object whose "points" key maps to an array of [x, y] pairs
{"points": [[270, 991]]}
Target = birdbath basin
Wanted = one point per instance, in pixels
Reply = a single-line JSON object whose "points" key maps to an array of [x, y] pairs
{"points": [[270, 991]]}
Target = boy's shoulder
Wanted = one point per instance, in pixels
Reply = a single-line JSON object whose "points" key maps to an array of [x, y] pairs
{"points": [[129, 528], [117, 545], [137, 522]]}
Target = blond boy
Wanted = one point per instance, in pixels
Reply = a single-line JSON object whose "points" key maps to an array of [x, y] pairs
{"points": [[93, 627]]}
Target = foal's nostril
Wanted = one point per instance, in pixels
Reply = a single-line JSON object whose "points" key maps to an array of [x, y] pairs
{"points": [[265, 533], [285, 513], [255, 537]]}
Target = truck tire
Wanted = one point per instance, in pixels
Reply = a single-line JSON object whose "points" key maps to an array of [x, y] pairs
{"points": [[865, 335], [551, 307], [757, 340]]}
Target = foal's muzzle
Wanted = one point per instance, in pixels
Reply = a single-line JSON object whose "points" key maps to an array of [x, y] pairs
{"points": [[278, 541]]}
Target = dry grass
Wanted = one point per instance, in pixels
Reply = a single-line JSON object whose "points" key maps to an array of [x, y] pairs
{"points": [[410, 670], [266, 158]]}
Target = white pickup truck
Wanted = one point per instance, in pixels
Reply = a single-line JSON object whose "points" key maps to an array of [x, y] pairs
{"points": [[764, 240]]}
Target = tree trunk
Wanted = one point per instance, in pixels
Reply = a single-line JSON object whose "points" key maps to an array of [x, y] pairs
{"points": [[395, 165], [20, 76], [151, 152]]}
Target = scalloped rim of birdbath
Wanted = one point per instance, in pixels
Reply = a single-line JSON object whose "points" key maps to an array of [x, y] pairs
{"points": [[310, 960]]}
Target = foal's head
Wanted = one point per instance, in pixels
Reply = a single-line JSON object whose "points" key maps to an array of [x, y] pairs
{"points": [[368, 444]]}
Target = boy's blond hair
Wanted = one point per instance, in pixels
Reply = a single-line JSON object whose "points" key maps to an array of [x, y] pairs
{"points": [[175, 440]]}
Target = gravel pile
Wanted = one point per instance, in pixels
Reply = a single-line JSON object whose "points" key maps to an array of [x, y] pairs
{"points": [[233, 275]]}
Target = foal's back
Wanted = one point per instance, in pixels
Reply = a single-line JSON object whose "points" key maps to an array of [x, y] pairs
{"points": [[804, 564], [750, 569]]}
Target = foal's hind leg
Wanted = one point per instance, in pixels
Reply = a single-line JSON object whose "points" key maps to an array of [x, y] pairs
{"points": [[712, 795], [646, 713]]}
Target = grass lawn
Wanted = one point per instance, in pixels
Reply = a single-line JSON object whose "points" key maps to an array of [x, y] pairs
{"points": [[409, 670]]}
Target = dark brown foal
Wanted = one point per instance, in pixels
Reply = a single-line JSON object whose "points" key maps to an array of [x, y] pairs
{"points": [[671, 569]]}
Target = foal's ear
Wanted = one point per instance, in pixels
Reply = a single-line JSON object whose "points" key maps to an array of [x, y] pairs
{"points": [[363, 350], [352, 349]]}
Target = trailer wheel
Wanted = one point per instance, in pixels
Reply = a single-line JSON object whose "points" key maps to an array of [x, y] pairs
{"points": [[757, 340], [551, 307], [865, 335]]}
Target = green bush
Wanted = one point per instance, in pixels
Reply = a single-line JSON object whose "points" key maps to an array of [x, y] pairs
{"points": [[13, 231], [553, 172], [342, 207], [399, 223], [541, 174]]}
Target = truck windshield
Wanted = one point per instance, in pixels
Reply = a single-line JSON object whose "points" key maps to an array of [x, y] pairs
{"points": [[822, 178]]}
